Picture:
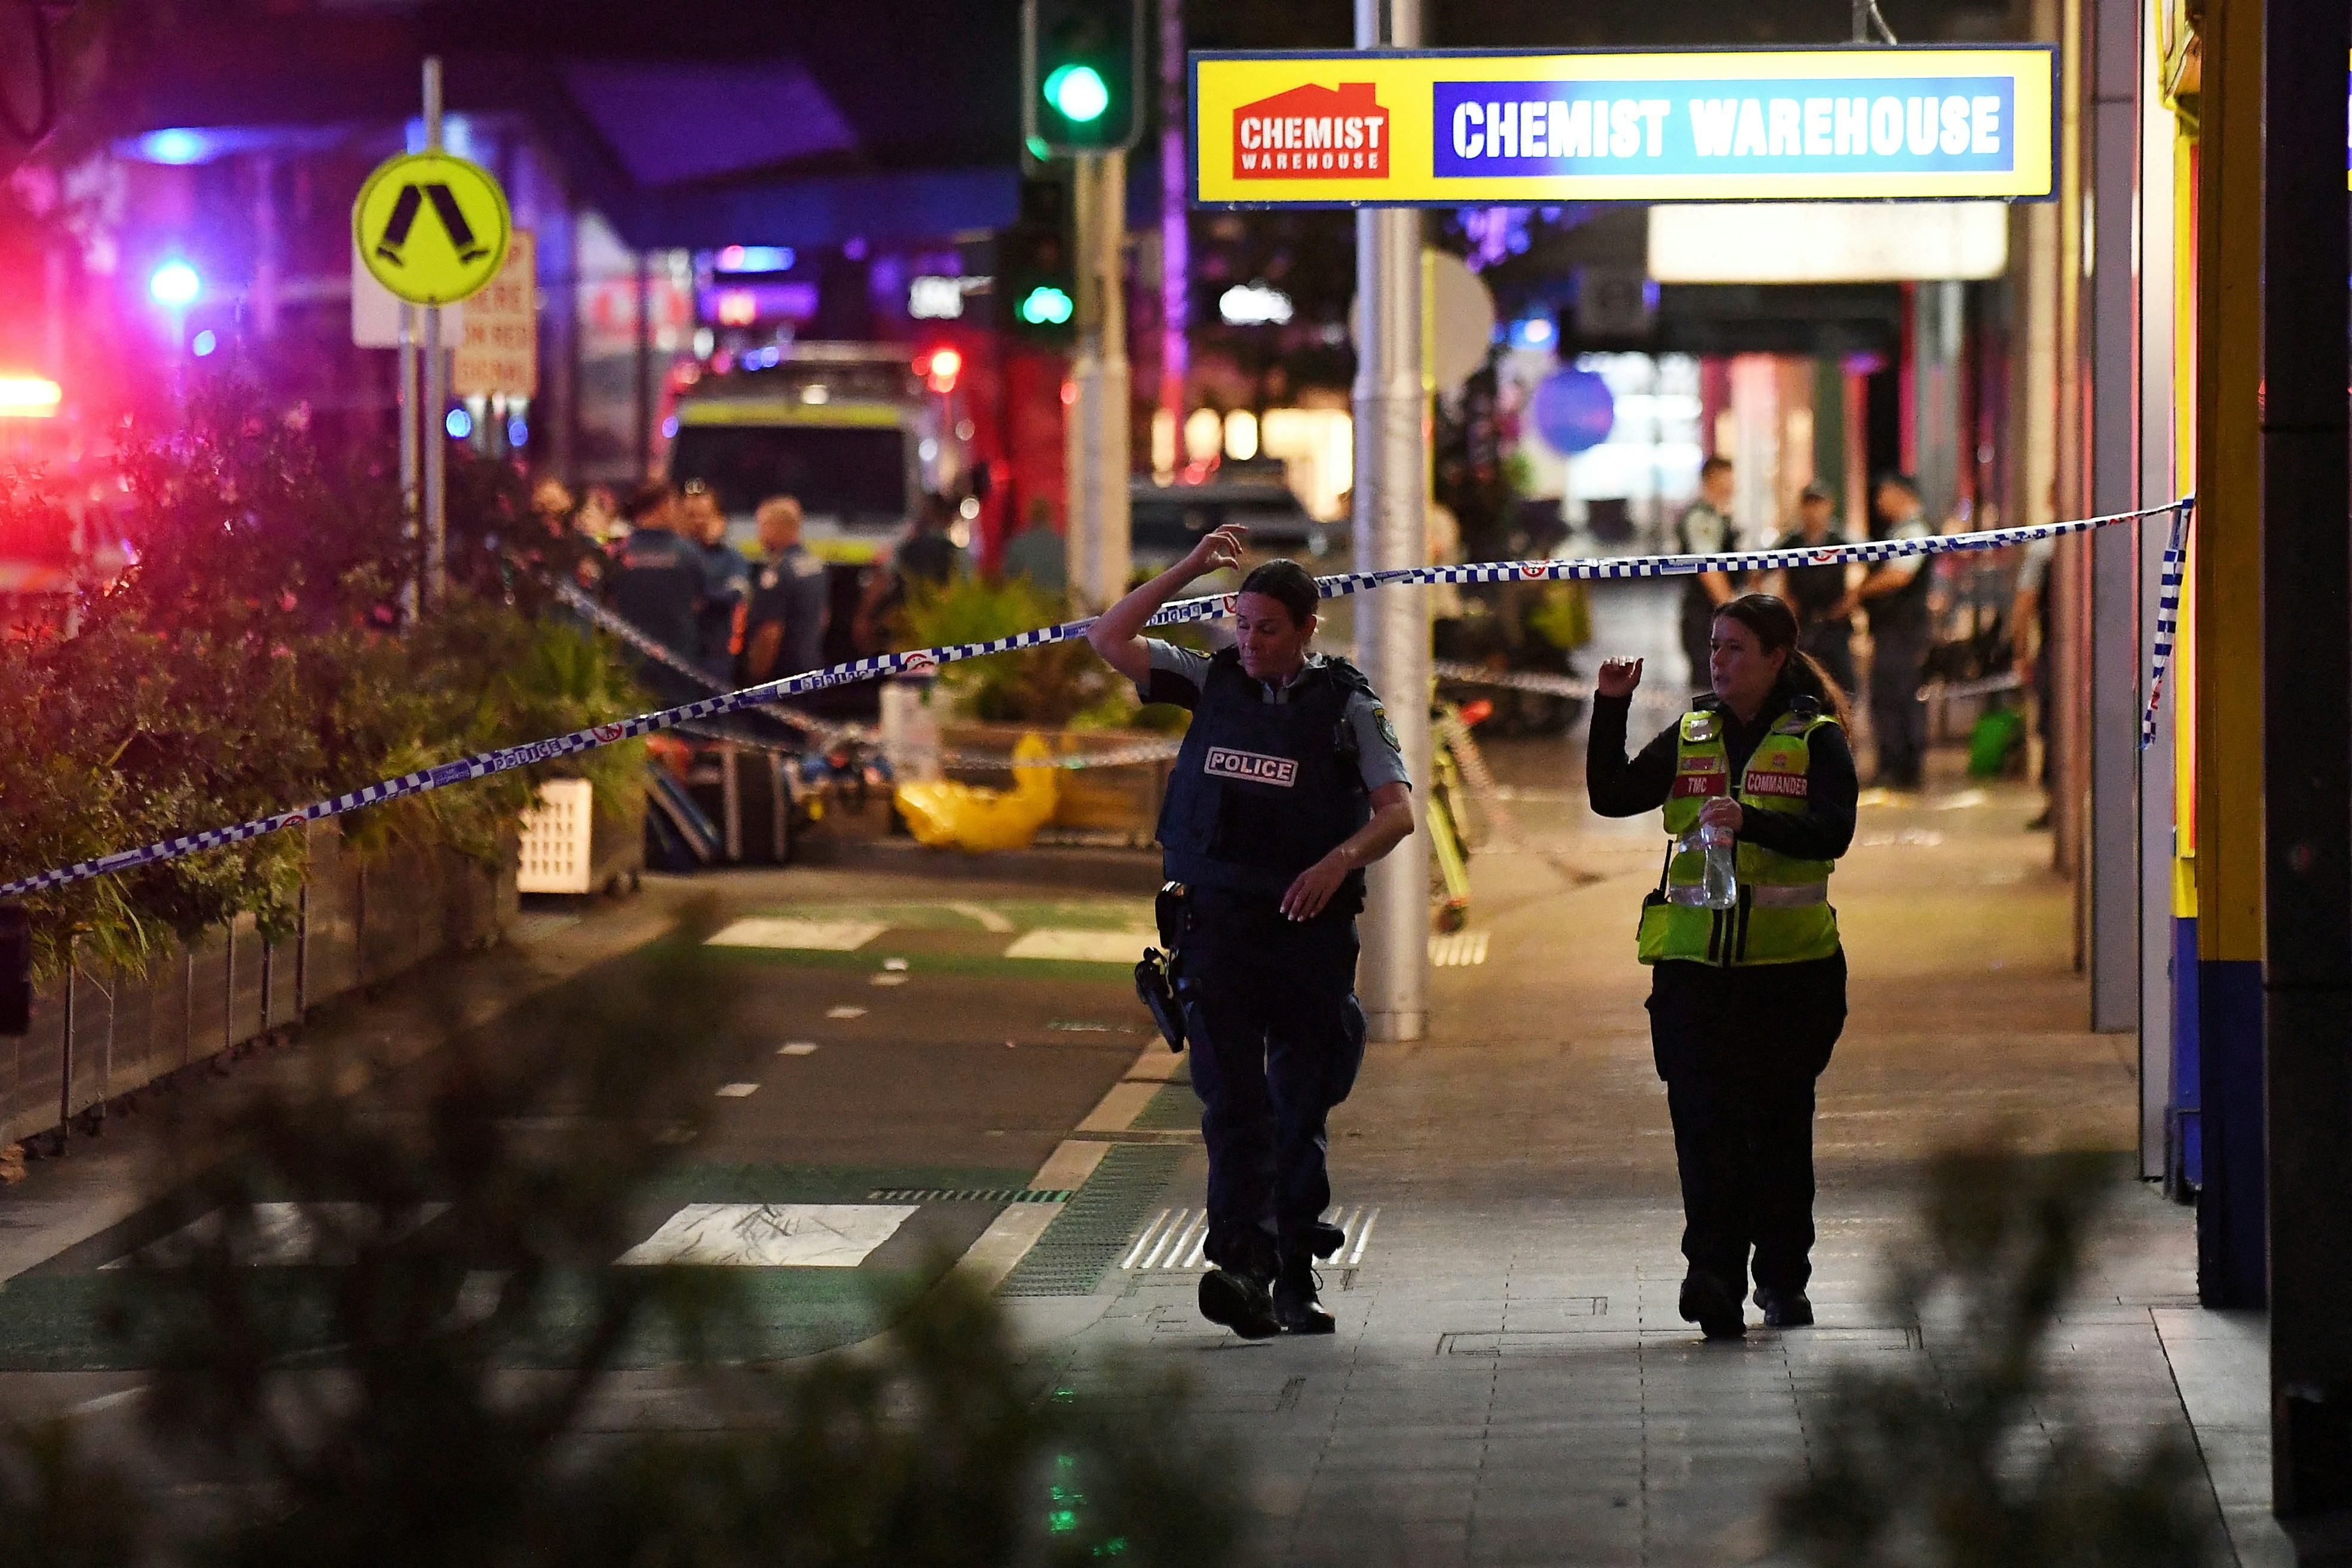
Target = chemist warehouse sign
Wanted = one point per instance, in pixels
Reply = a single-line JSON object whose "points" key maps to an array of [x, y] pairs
{"points": [[1389, 128]]}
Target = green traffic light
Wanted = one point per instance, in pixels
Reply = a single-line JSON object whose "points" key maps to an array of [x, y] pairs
{"points": [[1077, 93], [1045, 306]]}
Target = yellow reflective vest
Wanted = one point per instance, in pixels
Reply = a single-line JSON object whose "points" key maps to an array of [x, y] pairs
{"points": [[1783, 914]]}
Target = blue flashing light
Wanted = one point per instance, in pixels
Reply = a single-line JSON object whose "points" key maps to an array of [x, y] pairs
{"points": [[518, 432], [459, 424], [175, 284], [177, 147], [1532, 332], [206, 342], [755, 258], [669, 428]]}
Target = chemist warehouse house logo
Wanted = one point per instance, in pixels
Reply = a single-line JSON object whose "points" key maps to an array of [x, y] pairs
{"points": [[1312, 132]]}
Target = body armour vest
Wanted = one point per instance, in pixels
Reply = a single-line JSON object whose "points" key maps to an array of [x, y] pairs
{"points": [[1263, 790]]}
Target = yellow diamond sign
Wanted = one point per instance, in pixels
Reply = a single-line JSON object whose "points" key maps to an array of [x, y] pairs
{"points": [[431, 229]]}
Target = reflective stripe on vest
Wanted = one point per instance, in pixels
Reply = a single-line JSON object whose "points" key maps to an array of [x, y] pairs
{"points": [[1783, 915]]}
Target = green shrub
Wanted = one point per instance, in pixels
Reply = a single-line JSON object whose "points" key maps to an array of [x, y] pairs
{"points": [[1063, 683], [249, 661]]}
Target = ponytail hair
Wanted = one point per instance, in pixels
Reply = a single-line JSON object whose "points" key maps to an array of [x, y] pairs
{"points": [[1775, 626]]}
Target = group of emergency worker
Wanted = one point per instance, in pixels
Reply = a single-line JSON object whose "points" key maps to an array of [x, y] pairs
{"points": [[1290, 781], [677, 579]]}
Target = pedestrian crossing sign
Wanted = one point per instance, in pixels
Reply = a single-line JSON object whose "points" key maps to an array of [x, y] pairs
{"points": [[431, 229]]}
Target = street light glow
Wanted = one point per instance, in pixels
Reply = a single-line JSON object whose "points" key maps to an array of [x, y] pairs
{"points": [[175, 284], [1077, 93]]}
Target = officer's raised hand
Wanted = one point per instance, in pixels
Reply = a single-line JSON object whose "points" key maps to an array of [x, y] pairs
{"points": [[1118, 633], [1618, 677], [1218, 550]]}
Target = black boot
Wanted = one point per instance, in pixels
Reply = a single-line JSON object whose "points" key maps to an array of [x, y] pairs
{"points": [[1712, 1306], [1241, 1302], [1784, 1308], [1296, 1306]]}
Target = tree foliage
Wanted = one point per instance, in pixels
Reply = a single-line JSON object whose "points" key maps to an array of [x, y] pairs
{"points": [[248, 658]]}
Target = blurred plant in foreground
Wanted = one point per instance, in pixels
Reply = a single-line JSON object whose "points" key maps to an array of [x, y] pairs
{"points": [[436, 1377], [1978, 1457]]}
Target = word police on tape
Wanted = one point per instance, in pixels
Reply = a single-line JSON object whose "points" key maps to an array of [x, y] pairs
{"points": [[431, 229]]}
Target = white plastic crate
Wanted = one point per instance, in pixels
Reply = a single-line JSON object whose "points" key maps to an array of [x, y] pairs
{"points": [[556, 857]]}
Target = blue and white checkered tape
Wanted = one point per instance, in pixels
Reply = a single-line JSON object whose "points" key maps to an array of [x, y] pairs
{"points": [[2167, 615], [922, 661]]}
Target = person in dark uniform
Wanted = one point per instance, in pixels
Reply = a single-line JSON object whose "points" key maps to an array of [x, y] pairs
{"points": [[656, 584], [783, 624], [1817, 593], [1894, 595], [727, 581], [1288, 784], [1748, 986], [1706, 529]]}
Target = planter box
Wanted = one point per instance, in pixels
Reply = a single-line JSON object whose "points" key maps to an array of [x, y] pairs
{"points": [[248, 981], [331, 918], [38, 1066], [1122, 798]]}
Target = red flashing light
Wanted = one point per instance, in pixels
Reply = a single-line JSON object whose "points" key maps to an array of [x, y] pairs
{"points": [[940, 368], [738, 308]]}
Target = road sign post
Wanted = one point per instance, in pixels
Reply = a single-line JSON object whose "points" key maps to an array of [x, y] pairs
{"points": [[434, 230]]}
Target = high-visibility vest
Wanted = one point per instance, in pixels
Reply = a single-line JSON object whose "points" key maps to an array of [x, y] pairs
{"points": [[1783, 913]]}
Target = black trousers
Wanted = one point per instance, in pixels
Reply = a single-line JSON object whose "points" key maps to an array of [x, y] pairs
{"points": [[1276, 1036], [1898, 658], [1739, 1050], [1832, 645]]}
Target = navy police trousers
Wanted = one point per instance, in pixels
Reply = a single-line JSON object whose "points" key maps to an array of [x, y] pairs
{"points": [[1277, 1037]]}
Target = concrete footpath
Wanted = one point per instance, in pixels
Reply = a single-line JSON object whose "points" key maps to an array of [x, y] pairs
{"points": [[1511, 1382]]}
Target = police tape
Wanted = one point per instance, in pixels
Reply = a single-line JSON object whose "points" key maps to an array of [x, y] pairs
{"points": [[923, 661], [603, 616], [2167, 613]]}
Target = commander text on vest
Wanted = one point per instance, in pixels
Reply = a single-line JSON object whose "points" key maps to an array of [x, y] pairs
{"points": [[1748, 984], [1289, 783]]}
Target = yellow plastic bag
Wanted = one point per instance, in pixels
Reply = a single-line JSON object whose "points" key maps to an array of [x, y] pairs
{"points": [[975, 819]]}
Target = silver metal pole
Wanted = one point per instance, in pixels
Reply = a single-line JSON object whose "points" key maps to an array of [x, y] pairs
{"points": [[1096, 446], [436, 396], [408, 453], [1391, 488]]}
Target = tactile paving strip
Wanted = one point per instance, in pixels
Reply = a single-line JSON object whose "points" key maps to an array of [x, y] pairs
{"points": [[1089, 1234]]}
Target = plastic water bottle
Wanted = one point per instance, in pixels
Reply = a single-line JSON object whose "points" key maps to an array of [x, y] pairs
{"points": [[1720, 883]]}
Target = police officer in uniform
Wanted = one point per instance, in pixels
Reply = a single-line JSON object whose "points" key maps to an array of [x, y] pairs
{"points": [[1817, 593], [1745, 1000], [1902, 627], [657, 584], [1706, 529], [1288, 784], [783, 624]]}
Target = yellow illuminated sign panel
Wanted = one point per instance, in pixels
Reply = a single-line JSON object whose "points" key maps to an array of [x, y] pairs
{"points": [[431, 229], [1448, 128]]}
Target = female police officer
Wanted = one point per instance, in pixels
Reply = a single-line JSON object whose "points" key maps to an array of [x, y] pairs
{"points": [[1746, 999], [1288, 784]]}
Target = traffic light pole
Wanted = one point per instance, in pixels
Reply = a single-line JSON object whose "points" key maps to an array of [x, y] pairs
{"points": [[1392, 407], [1096, 440]]}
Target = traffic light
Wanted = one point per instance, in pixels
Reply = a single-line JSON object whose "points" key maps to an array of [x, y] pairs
{"points": [[1036, 281], [1081, 75]]}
